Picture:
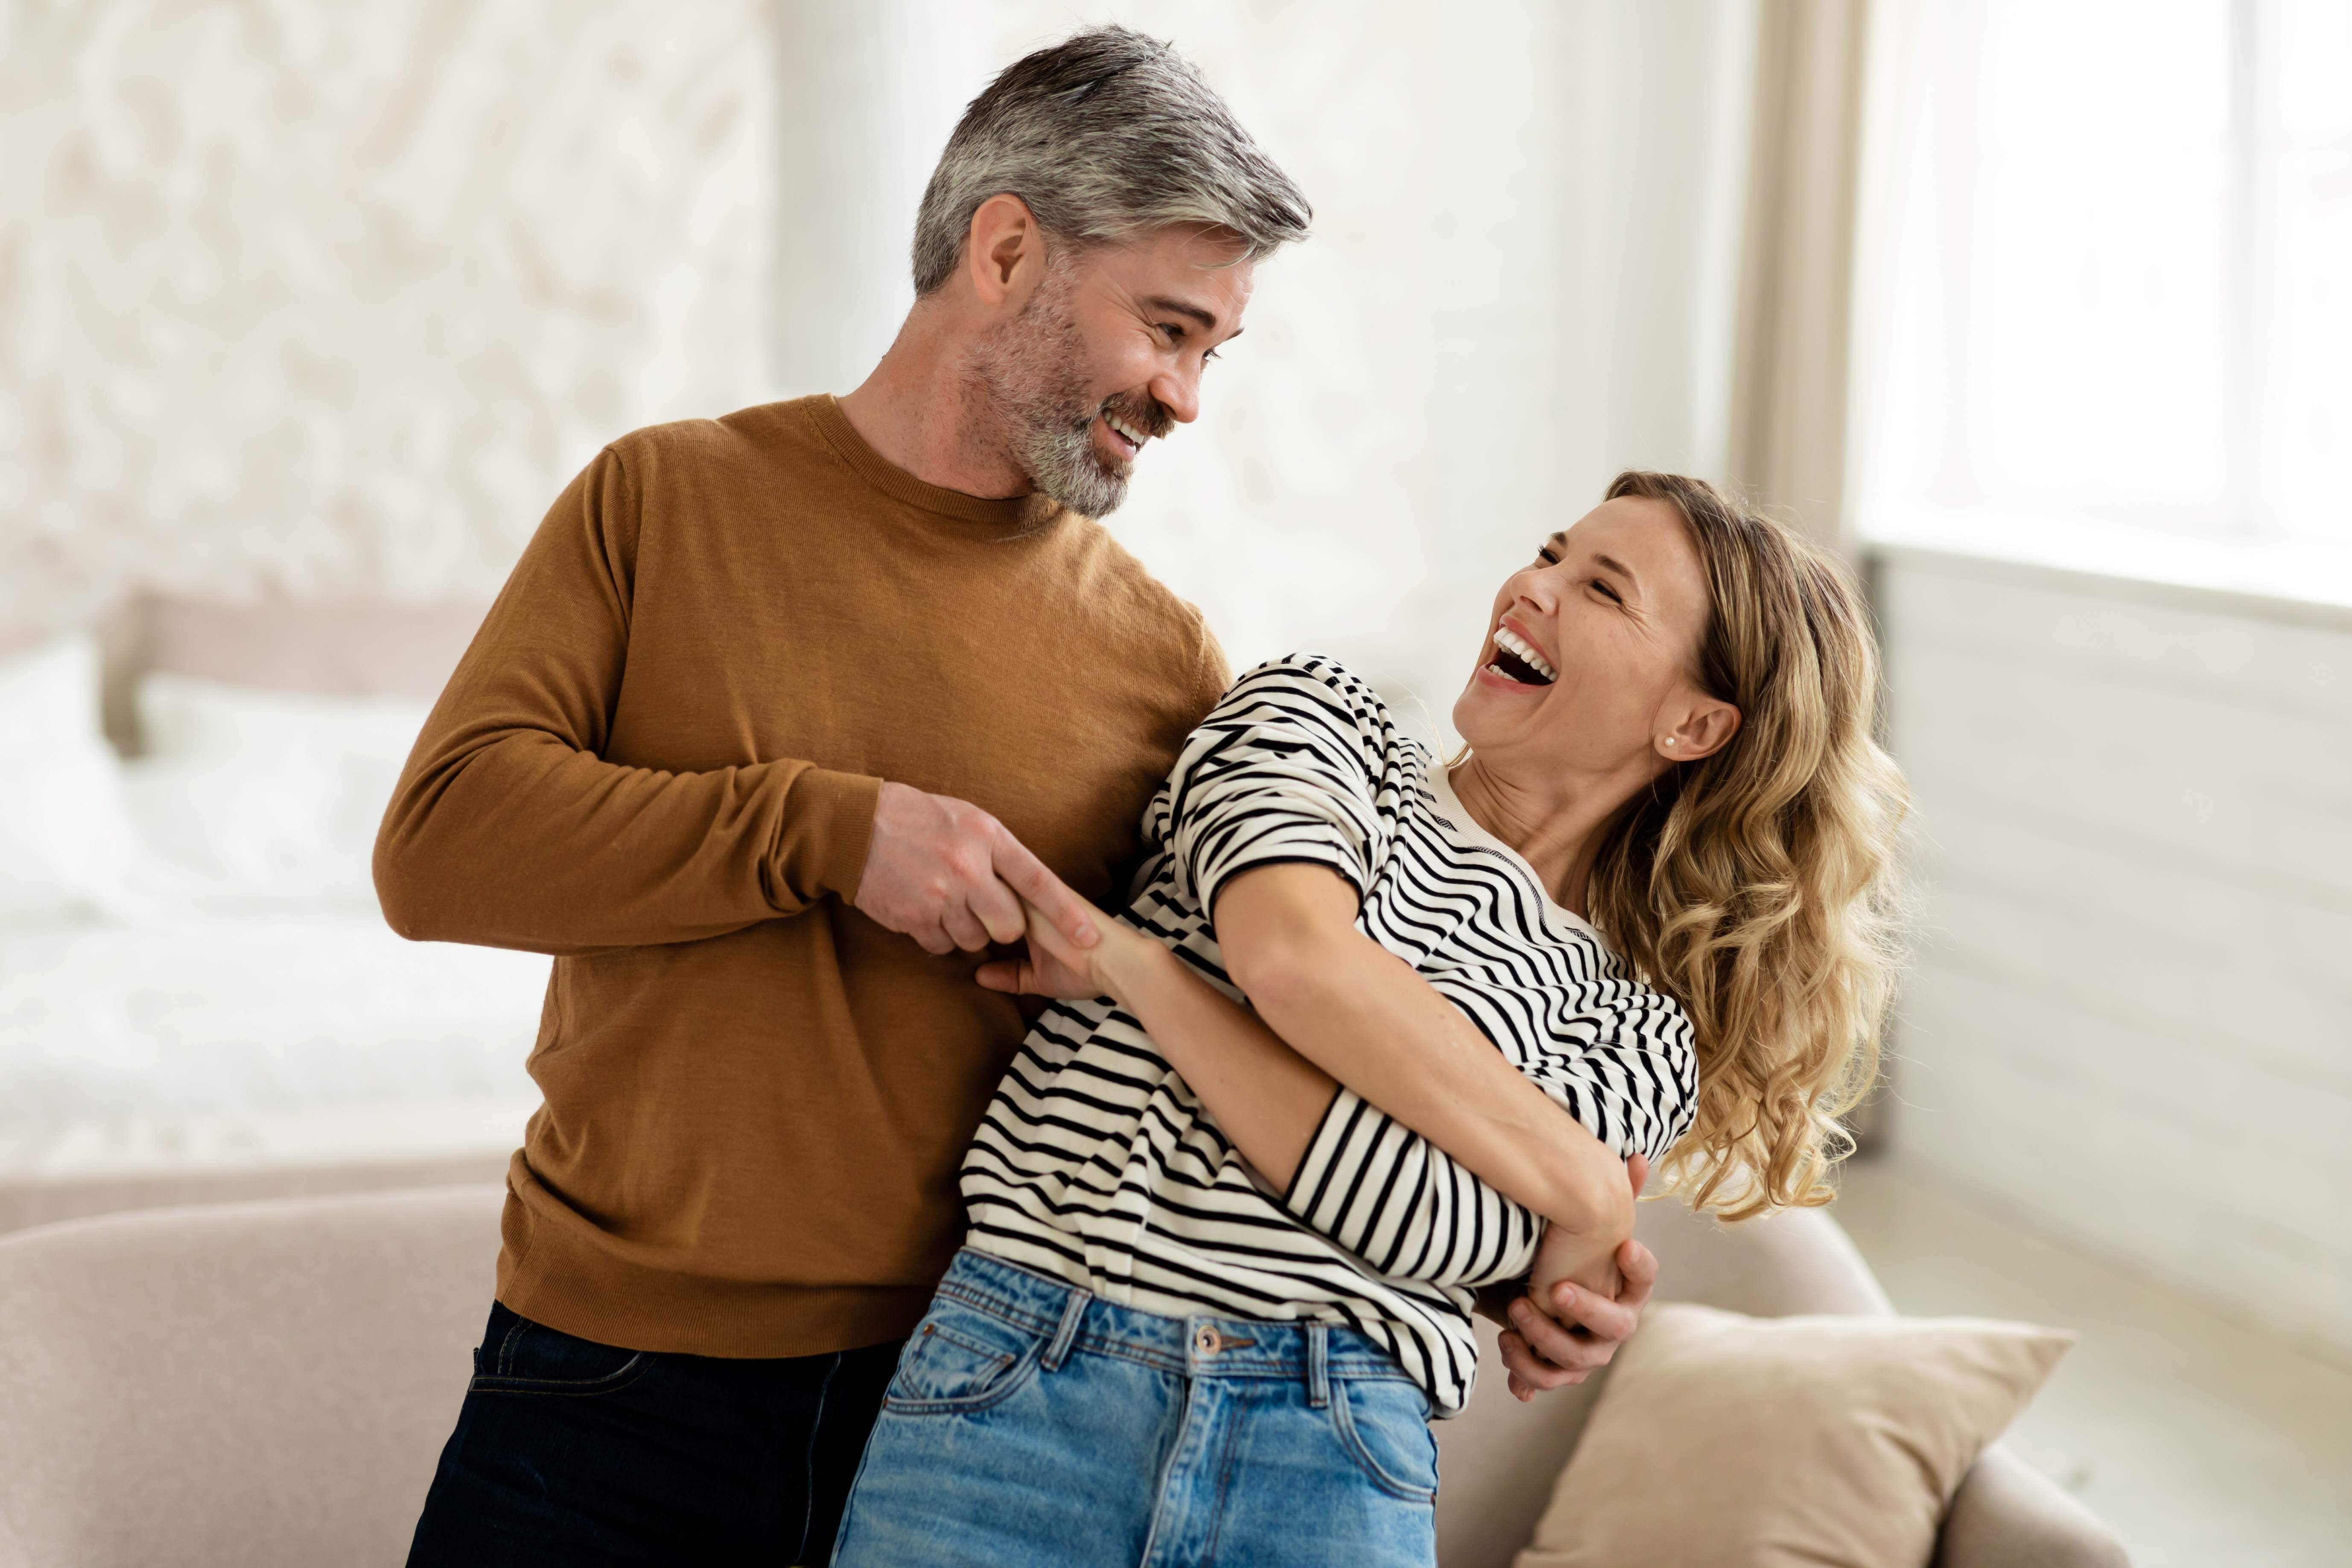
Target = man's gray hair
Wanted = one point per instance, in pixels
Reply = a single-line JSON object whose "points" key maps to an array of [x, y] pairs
{"points": [[1106, 134]]}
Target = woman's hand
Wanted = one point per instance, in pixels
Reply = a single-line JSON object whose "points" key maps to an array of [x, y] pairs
{"points": [[1056, 966], [1587, 1261]]}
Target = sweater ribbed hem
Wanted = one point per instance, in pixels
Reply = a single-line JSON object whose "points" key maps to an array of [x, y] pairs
{"points": [[554, 1275]]}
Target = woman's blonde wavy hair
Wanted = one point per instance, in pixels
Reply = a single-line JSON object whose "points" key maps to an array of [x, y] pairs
{"points": [[1759, 885]]}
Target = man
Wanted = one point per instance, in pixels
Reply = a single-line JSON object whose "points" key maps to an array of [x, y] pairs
{"points": [[766, 697]]}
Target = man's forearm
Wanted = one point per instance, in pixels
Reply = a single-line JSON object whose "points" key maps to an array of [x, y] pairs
{"points": [[522, 840]]}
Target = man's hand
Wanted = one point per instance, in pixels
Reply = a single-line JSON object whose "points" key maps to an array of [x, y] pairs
{"points": [[948, 873], [1566, 1338]]}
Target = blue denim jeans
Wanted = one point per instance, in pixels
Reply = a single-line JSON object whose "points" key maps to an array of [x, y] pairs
{"points": [[1030, 1425], [571, 1454]]}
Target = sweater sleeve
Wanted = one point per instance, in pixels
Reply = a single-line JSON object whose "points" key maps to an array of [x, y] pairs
{"points": [[1622, 1065], [508, 828]]}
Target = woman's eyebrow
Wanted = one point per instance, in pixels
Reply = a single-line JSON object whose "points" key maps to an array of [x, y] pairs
{"points": [[1610, 563]]}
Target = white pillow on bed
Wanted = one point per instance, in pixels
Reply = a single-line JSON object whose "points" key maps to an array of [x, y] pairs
{"points": [[61, 837], [252, 799]]}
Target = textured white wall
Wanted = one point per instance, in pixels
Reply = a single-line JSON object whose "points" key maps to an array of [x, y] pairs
{"points": [[325, 302], [328, 300], [2131, 1021]]}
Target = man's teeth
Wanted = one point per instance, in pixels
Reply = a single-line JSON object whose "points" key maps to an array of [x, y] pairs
{"points": [[1135, 437], [1512, 643]]}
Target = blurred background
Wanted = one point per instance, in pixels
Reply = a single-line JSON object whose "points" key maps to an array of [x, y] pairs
{"points": [[2039, 310]]}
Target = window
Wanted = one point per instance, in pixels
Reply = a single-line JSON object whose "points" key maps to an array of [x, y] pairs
{"points": [[2109, 272]]}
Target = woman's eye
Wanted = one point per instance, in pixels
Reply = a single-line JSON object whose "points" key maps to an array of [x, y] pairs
{"points": [[1548, 555], [1615, 597]]}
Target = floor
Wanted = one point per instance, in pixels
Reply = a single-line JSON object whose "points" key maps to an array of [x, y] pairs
{"points": [[2202, 1443]]}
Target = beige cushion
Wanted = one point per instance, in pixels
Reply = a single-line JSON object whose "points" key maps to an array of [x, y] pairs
{"points": [[1501, 1459], [263, 1386], [1812, 1441]]}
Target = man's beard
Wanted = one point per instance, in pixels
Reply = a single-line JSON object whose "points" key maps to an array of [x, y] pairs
{"points": [[1033, 371]]}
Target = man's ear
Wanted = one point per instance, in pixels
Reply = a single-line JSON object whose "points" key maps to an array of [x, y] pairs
{"points": [[1004, 252]]}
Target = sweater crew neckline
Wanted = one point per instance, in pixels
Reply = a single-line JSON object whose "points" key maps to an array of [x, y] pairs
{"points": [[1014, 514]]}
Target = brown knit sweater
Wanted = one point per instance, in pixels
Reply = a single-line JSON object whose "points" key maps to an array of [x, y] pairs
{"points": [[658, 763]]}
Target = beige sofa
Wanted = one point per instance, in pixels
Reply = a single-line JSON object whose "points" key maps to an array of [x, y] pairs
{"points": [[269, 1384]]}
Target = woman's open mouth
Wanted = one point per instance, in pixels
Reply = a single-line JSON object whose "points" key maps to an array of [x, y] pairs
{"points": [[1518, 660]]}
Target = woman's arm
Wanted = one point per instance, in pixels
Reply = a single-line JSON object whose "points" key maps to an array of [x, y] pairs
{"points": [[1288, 936], [1376, 1187]]}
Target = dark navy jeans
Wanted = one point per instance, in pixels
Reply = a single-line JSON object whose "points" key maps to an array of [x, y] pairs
{"points": [[575, 1453]]}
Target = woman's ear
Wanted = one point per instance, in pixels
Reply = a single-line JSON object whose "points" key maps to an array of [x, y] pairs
{"points": [[1707, 727]]}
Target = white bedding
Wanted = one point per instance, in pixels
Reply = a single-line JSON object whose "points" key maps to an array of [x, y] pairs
{"points": [[257, 1040]]}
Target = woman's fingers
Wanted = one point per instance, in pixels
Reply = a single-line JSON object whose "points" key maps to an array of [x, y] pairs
{"points": [[1027, 876], [1558, 1345], [1002, 974], [1049, 940], [1639, 1266], [1605, 1322], [1530, 1371]]}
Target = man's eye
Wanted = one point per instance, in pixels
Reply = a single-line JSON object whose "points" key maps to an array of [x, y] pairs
{"points": [[1175, 333], [1208, 358]]}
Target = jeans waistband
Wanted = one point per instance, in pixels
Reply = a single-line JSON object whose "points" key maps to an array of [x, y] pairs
{"points": [[1200, 1345]]}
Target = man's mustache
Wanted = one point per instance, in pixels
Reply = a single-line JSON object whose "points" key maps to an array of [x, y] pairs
{"points": [[1140, 411]]}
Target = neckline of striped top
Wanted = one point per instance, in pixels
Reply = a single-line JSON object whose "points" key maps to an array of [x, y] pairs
{"points": [[1455, 818]]}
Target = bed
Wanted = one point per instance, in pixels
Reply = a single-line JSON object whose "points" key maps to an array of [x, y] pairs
{"points": [[198, 999]]}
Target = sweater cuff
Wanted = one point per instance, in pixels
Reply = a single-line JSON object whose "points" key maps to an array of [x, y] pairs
{"points": [[829, 828]]}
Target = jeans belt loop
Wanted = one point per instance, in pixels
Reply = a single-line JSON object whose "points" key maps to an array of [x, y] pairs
{"points": [[1072, 1311], [1318, 1371]]}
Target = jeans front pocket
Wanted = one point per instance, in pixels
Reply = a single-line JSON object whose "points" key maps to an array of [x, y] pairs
{"points": [[962, 1358], [519, 1356], [1384, 1423]]}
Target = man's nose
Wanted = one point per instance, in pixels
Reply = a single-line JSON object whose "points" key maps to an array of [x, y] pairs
{"points": [[1178, 391]]}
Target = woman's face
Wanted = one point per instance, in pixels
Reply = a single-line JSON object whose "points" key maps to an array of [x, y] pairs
{"points": [[1589, 663]]}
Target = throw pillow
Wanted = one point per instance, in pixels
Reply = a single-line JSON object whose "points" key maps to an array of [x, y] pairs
{"points": [[61, 835], [1724, 1441]]}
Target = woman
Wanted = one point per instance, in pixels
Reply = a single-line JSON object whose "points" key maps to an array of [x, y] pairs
{"points": [[1211, 1296]]}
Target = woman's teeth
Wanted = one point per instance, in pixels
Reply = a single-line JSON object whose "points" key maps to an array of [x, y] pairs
{"points": [[1520, 651]]}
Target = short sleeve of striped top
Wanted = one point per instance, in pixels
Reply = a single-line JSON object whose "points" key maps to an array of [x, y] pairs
{"points": [[1096, 1163], [1282, 769]]}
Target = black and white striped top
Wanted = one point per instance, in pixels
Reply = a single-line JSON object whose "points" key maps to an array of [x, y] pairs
{"points": [[1096, 1165]]}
